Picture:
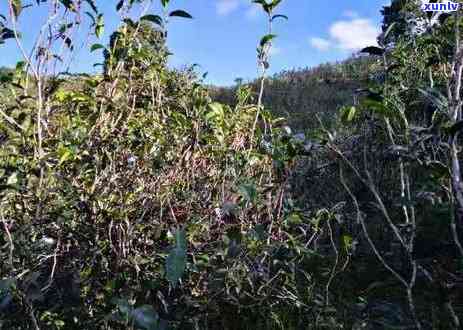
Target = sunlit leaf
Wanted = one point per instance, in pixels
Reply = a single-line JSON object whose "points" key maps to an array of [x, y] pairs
{"points": [[294, 219], [348, 113], [266, 39], [347, 242], [99, 28], [275, 4], [12, 179], [156, 19], [17, 7]]}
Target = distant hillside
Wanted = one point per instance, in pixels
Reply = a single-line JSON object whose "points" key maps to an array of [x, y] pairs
{"points": [[299, 94], [5, 74]]}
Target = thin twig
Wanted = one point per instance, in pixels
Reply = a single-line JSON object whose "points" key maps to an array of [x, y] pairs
{"points": [[335, 266], [10, 239]]}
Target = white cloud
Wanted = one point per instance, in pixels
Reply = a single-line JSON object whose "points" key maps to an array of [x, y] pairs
{"points": [[350, 35], [320, 43], [354, 34], [225, 7]]}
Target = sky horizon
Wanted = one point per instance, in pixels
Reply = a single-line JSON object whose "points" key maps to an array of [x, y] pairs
{"points": [[223, 35]]}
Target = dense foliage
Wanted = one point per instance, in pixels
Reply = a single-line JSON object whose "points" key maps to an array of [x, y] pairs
{"points": [[139, 198], [299, 95]]}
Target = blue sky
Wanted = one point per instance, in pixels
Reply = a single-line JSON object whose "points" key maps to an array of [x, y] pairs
{"points": [[223, 35]]}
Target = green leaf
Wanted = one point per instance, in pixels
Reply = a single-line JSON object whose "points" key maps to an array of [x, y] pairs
{"points": [[294, 219], [268, 7], [248, 191], [348, 114], [129, 22], [275, 3], [443, 17], [258, 233], [123, 306], [176, 260], [373, 50], [175, 265], [119, 5], [12, 179], [216, 107], [146, 317], [68, 4], [266, 39], [64, 27], [279, 16], [99, 27], [64, 154], [180, 13], [436, 97], [68, 42], [96, 47], [92, 5], [180, 239], [20, 66], [91, 17], [347, 242], [164, 3], [216, 111], [17, 7], [351, 114], [6, 33], [156, 19], [264, 4], [389, 29]]}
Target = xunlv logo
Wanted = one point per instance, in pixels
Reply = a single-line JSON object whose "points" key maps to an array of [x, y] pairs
{"points": [[448, 6]]}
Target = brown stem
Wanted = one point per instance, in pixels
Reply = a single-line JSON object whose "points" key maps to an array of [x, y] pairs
{"points": [[335, 265], [10, 239]]}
